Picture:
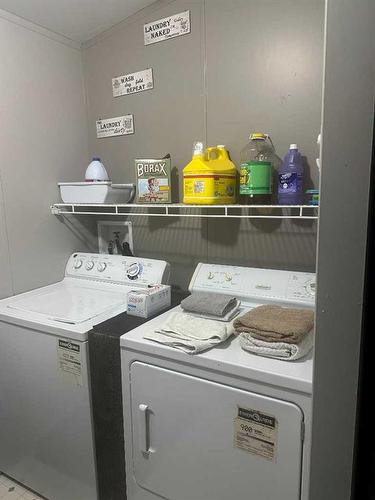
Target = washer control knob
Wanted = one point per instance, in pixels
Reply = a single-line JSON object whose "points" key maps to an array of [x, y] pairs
{"points": [[101, 266], [89, 265], [134, 270], [77, 264]]}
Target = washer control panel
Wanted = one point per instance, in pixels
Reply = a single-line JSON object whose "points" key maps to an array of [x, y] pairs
{"points": [[117, 269], [249, 283]]}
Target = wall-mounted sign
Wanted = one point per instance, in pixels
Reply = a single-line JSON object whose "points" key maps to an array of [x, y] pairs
{"points": [[121, 125], [132, 83], [166, 28]]}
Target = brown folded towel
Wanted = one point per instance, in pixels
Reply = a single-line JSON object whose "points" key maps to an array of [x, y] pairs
{"points": [[276, 324]]}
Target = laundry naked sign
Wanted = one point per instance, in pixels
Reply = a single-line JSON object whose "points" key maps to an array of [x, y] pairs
{"points": [[121, 125], [132, 83], [166, 28]]}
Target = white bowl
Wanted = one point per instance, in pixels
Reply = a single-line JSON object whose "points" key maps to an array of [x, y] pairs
{"points": [[96, 192]]}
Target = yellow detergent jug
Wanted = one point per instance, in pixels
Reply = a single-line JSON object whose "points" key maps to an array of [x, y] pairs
{"points": [[210, 178]]}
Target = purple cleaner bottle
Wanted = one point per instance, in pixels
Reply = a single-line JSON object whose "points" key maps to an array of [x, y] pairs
{"points": [[290, 186]]}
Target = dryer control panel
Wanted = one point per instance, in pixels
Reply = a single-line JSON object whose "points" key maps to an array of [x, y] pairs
{"points": [[117, 269], [253, 284]]}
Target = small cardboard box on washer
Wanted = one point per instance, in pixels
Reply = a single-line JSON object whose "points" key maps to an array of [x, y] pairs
{"points": [[145, 303]]}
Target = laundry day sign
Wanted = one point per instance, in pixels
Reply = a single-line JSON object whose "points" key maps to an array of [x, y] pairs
{"points": [[132, 83], [166, 28], [121, 125]]}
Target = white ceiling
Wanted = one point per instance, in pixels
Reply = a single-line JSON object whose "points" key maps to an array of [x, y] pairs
{"points": [[78, 20]]}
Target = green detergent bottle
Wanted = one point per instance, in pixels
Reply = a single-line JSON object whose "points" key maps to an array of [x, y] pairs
{"points": [[258, 159]]}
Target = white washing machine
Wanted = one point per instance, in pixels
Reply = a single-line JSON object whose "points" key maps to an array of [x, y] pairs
{"points": [[46, 436], [223, 424]]}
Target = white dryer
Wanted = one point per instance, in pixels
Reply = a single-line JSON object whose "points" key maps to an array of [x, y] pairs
{"points": [[223, 424], [46, 436]]}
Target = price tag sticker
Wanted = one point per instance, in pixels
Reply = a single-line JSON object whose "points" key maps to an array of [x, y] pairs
{"points": [[256, 432], [69, 360]]}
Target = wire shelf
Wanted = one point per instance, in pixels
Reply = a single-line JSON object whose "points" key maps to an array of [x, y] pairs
{"points": [[197, 211]]}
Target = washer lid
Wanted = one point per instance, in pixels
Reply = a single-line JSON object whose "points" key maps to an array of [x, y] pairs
{"points": [[69, 304]]}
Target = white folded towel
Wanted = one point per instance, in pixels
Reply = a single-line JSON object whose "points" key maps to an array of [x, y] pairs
{"points": [[278, 350], [191, 334]]}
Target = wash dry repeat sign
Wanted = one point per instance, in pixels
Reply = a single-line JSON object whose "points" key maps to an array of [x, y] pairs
{"points": [[166, 28], [132, 83]]}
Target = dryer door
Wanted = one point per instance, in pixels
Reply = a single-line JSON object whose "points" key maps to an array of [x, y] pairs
{"points": [[199, 440]]}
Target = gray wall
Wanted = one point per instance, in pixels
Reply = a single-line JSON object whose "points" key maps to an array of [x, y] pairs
{"points": [[43, 137], [348, 115], [5, 275], [275, 88], [246, 66]]}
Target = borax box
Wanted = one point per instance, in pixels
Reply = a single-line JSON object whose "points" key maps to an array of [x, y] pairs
{"points": [[153, 180]]}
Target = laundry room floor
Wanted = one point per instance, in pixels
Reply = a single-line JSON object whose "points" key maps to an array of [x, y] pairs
{"points": [[9, 490]]}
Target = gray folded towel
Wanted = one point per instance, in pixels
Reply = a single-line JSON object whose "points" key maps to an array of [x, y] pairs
{"points": [[276, 324], [214, 304]]}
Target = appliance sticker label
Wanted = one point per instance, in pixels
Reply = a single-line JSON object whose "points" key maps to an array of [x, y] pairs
{"points": [[166, 28], [256, 433], [69, 359], [121, 125], [132, 83]]}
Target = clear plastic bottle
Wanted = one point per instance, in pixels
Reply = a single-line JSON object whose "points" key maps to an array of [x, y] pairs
{"points": [[290, 185], [258, 160]]}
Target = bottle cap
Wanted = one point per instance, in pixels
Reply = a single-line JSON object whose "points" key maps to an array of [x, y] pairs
{"points": [[293, 146], [258, 135], [198, 148], [96, 158]]}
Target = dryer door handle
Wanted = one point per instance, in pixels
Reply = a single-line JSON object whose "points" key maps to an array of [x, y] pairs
{"points": [[143, 428]]}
